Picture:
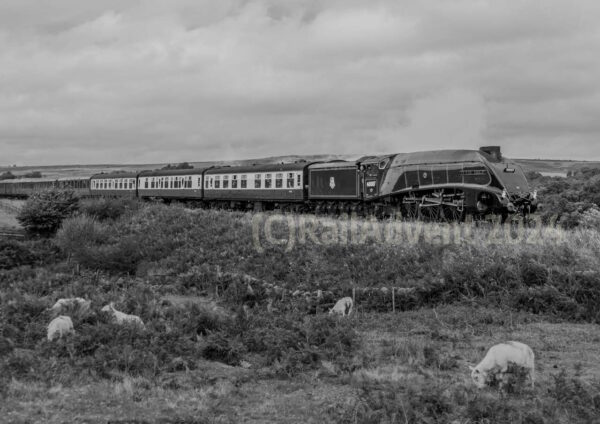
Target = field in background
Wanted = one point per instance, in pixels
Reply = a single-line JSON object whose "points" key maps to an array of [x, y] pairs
{"points": [[181, 270]]}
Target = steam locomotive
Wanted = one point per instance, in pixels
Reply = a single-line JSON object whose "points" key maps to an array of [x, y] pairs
{"points": [[445, 185]]}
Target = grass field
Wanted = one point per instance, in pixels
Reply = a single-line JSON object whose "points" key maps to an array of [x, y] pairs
{"points": [[201, 359]]}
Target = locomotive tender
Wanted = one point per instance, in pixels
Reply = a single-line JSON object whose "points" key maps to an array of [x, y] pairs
{"points": [[445, 185]]}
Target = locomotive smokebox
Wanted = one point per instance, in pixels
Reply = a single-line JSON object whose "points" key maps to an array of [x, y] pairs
{"points": [[493, 151]]}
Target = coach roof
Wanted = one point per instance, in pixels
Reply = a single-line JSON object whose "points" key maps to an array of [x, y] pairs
{"points": [[114, 175], [271, 167], [168, 172]]}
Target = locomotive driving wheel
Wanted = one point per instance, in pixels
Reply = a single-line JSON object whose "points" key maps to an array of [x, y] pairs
{"points": [[410, 210], [452, 213]]}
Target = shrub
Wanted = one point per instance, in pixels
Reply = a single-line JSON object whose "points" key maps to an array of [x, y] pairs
{"points": [[296, 343], [14, 254], [109, 208], [44, 211], [580, 398], [220, 347], [394, 402]]}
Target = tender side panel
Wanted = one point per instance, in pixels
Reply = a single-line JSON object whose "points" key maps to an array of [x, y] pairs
{"points": [[334, 183]]}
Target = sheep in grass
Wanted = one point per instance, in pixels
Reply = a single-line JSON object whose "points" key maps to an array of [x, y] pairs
{"points": [[121, 317], [71, 305], [59, 327], [499, 357], [342, 307]]}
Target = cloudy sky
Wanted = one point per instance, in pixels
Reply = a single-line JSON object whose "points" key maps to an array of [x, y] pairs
{"points": [[166, 81]]}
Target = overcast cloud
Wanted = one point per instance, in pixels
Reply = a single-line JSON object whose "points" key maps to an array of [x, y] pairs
{"points": [[168, 81]]}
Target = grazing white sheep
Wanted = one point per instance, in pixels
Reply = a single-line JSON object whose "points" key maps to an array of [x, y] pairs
{"points": [[59, 327], [500, 356], [342, 307], [121, 317], [71, 304]]}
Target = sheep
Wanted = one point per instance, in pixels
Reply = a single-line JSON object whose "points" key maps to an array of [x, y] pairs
{"points": [[499, 356], [342, 307], [121, 317], [60, 326], [71, 304]]}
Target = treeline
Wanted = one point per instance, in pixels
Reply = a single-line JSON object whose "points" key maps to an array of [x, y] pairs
{"points": [[10, 176], [571, 202]]}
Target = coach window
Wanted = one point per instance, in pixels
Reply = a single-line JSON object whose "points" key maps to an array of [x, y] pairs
{"points": [[278, 180], [189, 182], [206, 180], [290, 180], [199, 185], [299, 180], [234, 181], [217, 181], [268, 178], [257, 180], [243, 181], [225, 181]]}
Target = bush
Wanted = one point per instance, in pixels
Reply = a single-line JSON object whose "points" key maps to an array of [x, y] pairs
{"points": [[296, 343], [14, 254], [395, 402], [220, 347], [43, 212], [118, 246], [7, 176], [109, 208], [573, 394]]}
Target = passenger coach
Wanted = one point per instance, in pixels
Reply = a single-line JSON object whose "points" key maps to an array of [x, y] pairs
{"points": [[258, 186], [171, 183], [122, 184]]}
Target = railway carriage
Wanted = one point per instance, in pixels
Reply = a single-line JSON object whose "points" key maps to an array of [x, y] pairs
{"points": [[258, 186], [24, 187], [79, 185], [172, 184], [122, 184]]}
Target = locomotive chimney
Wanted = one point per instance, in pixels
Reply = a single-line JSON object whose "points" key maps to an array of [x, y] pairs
{"points": [[493, 151]]}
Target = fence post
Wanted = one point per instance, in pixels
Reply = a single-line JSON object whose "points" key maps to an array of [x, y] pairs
{"points": [[393, 299]]}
